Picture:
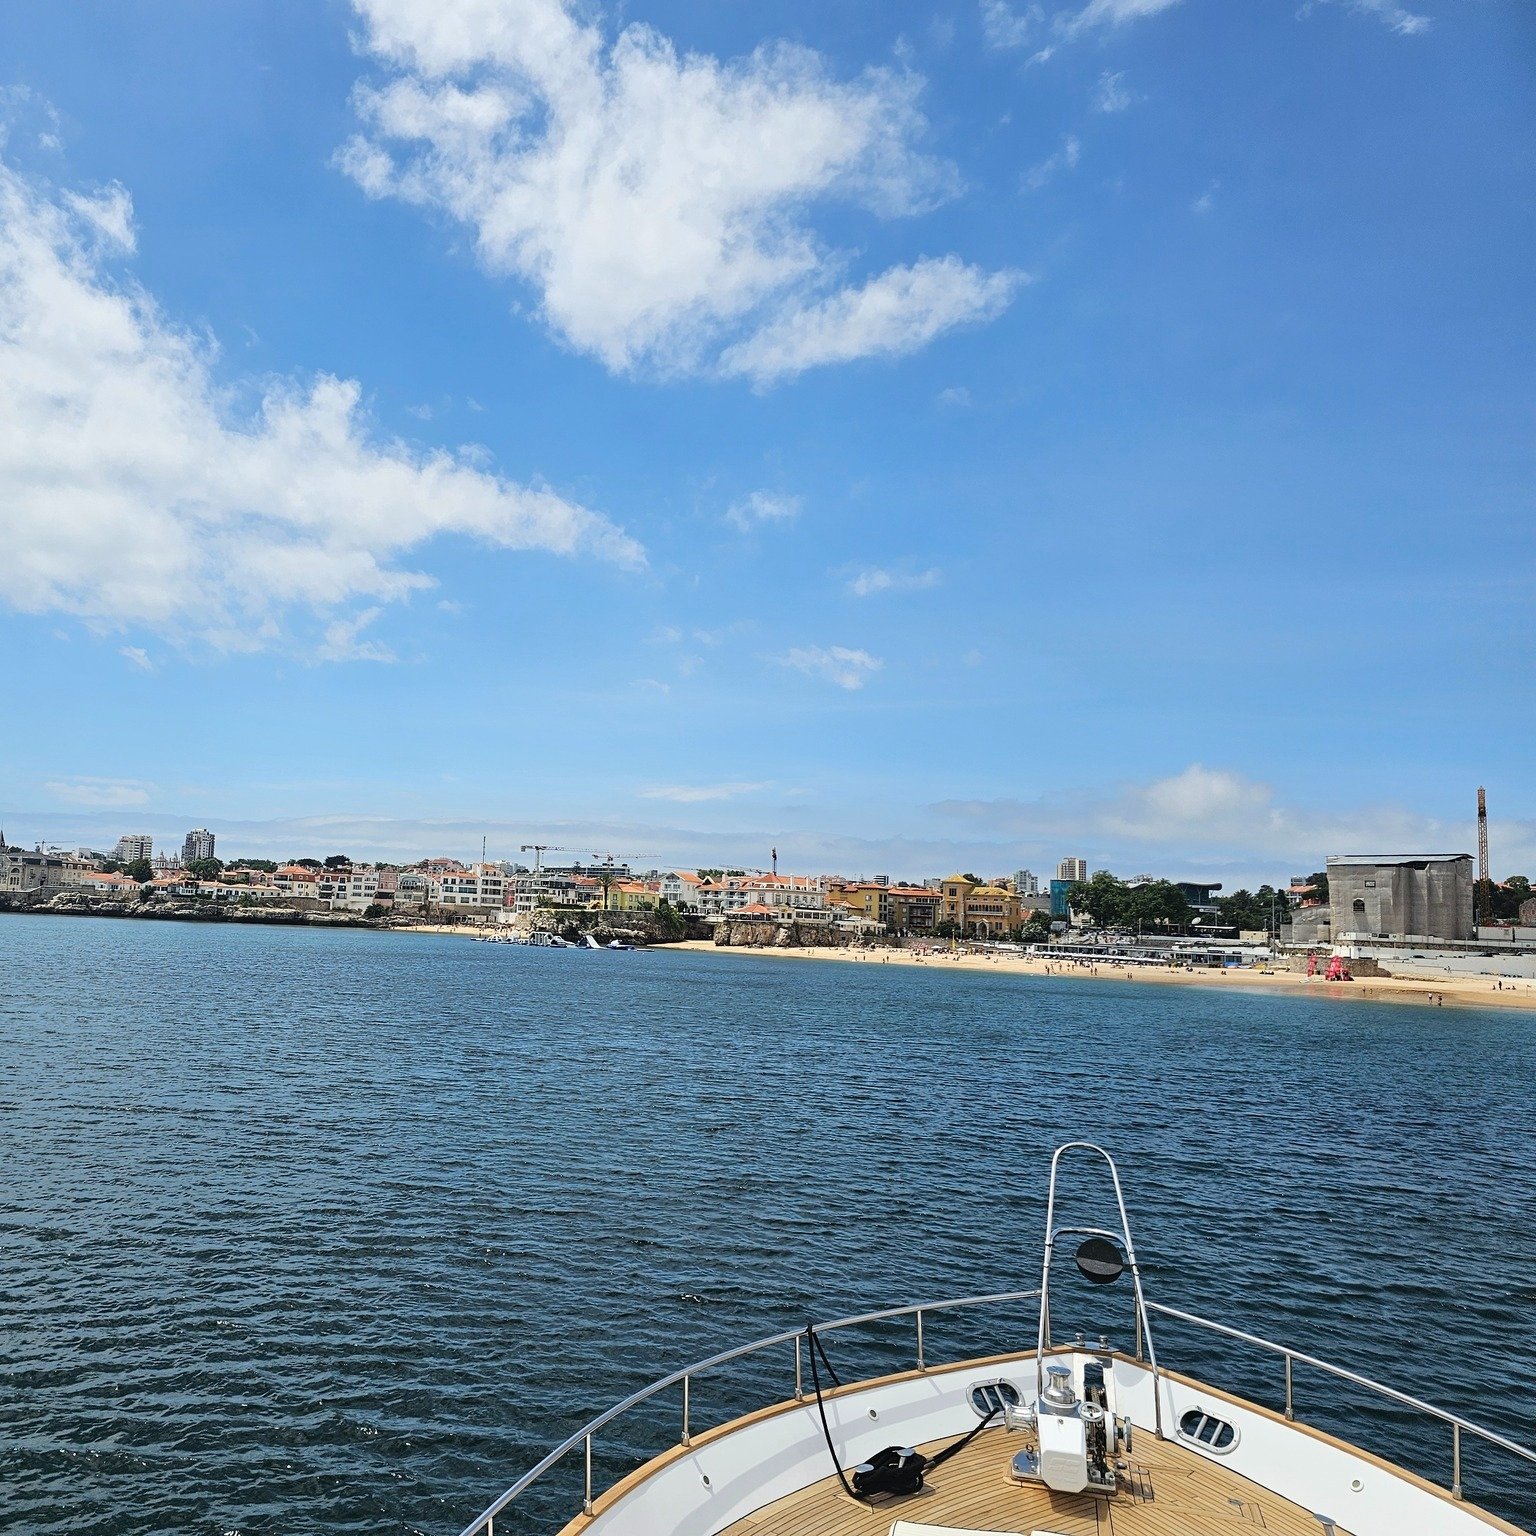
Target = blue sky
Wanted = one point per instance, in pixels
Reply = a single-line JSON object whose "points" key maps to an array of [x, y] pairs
{"points": [[906, 435]]}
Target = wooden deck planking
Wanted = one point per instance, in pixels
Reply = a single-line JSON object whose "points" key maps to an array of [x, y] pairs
{"points": [[1166, 1490]]}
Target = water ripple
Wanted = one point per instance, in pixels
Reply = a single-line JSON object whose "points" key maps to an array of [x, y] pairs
{"points": [[335, 1233]]}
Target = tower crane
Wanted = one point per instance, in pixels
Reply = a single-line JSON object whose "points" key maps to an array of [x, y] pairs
{"points": [[538, 850]]}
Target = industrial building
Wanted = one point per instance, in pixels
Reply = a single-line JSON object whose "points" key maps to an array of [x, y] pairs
{"points": [[1394, 896]]}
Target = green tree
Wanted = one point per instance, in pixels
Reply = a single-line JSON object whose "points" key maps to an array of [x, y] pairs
{"points": [[709, 874], [1104, 900], [1253, 910], [205, 869], [140, 870], [1318, 886], [670, 920], [308, 863], [338, 861], [1508, 897], [266, 866], [1159, 905], [1037, 928]]}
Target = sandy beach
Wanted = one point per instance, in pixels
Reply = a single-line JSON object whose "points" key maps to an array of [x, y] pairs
{"points": [[1448, 992]]}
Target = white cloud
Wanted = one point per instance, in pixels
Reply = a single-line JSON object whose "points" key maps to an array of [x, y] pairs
{"points": [[956, 398], [135, 492], [847, 668], [657, 201], [1207, 199], [1404, 22], [1214, 818], [1004, 27], [342, 641], [695, 794], [109, 213], [893, 314], [1112, 95], [138, 656], [867, 583], [99, 793], [1109, 13], [1065, 159], [762, 507]]}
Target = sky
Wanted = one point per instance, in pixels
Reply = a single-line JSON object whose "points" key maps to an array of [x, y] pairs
{"points": [[910, 436]]}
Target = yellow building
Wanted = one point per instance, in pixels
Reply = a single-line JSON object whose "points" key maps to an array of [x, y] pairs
{"points": [[866, 901], [632, 896], [988, 911]]}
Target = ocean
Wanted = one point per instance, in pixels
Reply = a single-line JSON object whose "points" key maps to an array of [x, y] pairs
{"points": [[329, 1232]]}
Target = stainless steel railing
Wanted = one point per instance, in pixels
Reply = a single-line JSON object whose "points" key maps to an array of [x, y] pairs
{"points": [[485, 1523], [1458, 1425]]}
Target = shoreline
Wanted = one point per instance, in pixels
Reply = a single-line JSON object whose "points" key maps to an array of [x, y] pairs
{"points": [[1423, 991], [1449, 992]]}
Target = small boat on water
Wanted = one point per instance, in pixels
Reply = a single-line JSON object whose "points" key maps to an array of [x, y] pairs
{"points": [[1063, 1438]]}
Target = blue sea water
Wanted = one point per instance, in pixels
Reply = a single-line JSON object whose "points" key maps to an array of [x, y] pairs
{"points": [[308, 1231]]}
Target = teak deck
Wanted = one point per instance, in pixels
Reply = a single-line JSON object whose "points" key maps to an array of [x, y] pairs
{"points": [[1164, 1491]]}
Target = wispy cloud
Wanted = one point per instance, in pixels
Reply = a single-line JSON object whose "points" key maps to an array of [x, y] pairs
{"points": [[1065, 159], [1004, 27], [659, 203], [1112, 94], [99, 793], [876, 579], [1207, 199], [1395, 17], [956, 398], [1109, 13], [342, 640], [138, 656], [697, 794], [838, 664], [133, 494], [762, 507], [892, 315]]}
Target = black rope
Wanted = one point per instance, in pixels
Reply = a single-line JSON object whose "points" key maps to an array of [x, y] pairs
{"points": [[959, 1445], [815, 1344], [816, 1348]]}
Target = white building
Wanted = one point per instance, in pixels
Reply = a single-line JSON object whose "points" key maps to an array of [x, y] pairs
{"points": [[1026, 883], [197, 844], [680, 888], [1075, 870], [354, 888], [481, 885], [134, 845]]}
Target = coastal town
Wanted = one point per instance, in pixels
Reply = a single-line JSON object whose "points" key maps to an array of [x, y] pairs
{"points": [[1360, 916]]}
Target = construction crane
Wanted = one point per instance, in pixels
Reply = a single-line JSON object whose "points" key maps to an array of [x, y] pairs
{"points": [[1484, 882], [538, 850]]}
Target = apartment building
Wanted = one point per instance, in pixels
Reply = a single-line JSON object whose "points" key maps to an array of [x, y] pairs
{"points": [[481, 885], [197, 844]]}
